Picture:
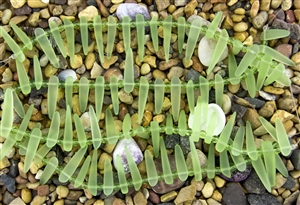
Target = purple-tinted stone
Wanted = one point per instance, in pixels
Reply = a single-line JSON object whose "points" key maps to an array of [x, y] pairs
{"points": [[162, 187], [24, 10], [237, 176]]}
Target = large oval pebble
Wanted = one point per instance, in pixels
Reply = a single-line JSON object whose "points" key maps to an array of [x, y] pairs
{"points": [[206, 49], [134, 149], [131, 10]]}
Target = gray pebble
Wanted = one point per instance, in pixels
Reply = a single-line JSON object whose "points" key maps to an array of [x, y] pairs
{"points": [[262, 199], [253, 184], [295, 159], [192, 75], [233, 194], [260, 20], [290, 183], [13, 169], [9, 183], [7, 197], [255, 101]]}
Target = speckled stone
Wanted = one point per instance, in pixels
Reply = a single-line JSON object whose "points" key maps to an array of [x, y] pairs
{"points": [[233, 194]]}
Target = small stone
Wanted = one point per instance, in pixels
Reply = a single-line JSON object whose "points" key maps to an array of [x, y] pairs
{"points": [[24, 10], [266, 96], [17, 201], [254, 9], [102, 159], [139, 199], [159, 74], [295, 159], [253, 184], [175, 71], [145, 68], [96, 71], [17, 3], [77, 61], [108, 62], [162, 4], [131, 10], [192, 75], [275, 4], [219, 181], [4, 163], [43, 190], [226, 104], [62, 191], [252, 116], [265, 5], [153, 197], [125, 97], [201, 157], [38, 200], [134, 150], [257, 103], [260, 20], [66, 73], [286, 4], [186, 194], [9, 183], [190, 8], [90, 60], [287, 103], [6, 15], [163, 65], [264, 198], [207, 190], [162, 187], [273, 90], [290, 183], [26, 195], [290, 16], [237, 176], [233, 194], [240, 27], [37, 4], [89, 12], [206, 49], [74, 195], [282, 115], [168, 196]]}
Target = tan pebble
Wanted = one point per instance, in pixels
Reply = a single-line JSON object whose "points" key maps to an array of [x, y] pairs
{"points": [[62, 191], [151, 60], [286, 4], [168, 196], [207, 190], [26, 195], [18, 19], [254, 9], [99, 202], [89, 12], [159, 74], [241, 36], [234, 88], [4, 163], [37, 200], [171, 8], [102, 159], [59, 202], [108, 62], [166, 104], [159, 118], [199, 184], [276, 3], [288, 125], [109, 147], [251, 115], [139, 199], [237, 18], [89, 60], [128, 200], [36, 4], [187, 64], [145, 68], [231, 2], [273, 90], [50, 71], [147, 118], [217, 196], [265, 5], [296, 58], [212, 201], [17, 3], [240, 11], [185, 194], [282, 115], [77, 61], [190, 8], [219, 181], [178, 13], [16, 201]]}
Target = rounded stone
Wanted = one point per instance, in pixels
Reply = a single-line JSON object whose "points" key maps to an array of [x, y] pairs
{"points": [[206, 49], [62, 191], [240, 27]]}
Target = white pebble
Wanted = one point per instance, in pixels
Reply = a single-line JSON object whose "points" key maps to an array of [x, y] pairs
{"points": [[212, 108], [206, 49], [66, 73], [39, 174]]}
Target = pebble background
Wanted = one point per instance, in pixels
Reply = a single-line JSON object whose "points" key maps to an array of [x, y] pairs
{"points": [[244, 20]]}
